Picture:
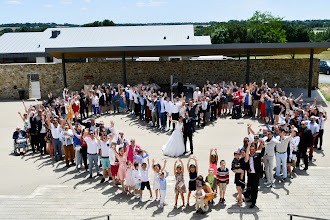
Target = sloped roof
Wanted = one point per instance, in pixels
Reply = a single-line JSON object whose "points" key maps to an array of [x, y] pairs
{"points": [[113, 36]]}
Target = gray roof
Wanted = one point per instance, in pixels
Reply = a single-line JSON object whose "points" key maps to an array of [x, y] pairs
{"points": [[114, 36], [237, 49]]}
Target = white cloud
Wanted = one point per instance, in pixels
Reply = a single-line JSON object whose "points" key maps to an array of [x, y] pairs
{"points": [[151, 3], [88, 1], [66, 3], [84, 9], [13, 3], [48, 6]]}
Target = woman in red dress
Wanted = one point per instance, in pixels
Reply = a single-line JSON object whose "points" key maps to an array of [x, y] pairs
{"points": [[76, 107], [262, 105]]}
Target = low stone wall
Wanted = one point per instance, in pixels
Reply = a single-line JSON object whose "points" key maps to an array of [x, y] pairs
{"points": [[286, 73]]}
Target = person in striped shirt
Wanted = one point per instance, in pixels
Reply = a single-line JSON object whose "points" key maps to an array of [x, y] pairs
{"points": [[222, 179]]}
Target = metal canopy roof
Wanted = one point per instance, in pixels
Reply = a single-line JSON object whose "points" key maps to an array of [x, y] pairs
{"points": [[239, 49]]}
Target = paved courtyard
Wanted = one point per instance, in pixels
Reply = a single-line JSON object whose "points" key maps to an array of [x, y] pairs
{"points": [[35, 187]]}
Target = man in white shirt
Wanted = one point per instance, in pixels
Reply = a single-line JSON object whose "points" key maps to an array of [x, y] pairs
{"points": [[131, 99], [268, 158], [315, 128], [197, 94], [322, 118], [56, 133], [95, 104], [161, 112], [174, 112], [281, 151], [167, 104], [92, 155]]}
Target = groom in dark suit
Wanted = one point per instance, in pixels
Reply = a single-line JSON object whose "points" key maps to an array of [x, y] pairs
{"points": [[188, 126]]}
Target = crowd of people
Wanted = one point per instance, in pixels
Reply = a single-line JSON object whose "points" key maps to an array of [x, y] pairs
{"points": [[292, 127]]}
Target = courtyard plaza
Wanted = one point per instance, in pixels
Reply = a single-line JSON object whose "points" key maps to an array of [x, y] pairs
{"points": [[35, 187]]}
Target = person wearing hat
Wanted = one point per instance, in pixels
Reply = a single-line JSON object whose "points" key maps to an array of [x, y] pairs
{"points": [[199, 194]]}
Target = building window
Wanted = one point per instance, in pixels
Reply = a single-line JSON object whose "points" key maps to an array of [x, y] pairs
{"points": [[50, 59], [21, 60], [8, 60]]}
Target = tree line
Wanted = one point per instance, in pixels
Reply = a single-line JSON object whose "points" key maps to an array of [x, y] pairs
{"points": [[262, 27]]}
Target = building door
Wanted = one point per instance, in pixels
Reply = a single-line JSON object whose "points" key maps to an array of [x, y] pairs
{"points": [[34, 85]]}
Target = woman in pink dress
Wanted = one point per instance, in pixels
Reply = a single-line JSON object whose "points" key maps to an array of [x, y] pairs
{"points": [[122, 158]]}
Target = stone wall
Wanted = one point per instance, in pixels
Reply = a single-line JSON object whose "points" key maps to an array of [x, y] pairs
{"points": [[286, 73]]}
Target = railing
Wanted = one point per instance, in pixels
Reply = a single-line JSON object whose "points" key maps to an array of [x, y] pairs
{"points": [[302, 216]]}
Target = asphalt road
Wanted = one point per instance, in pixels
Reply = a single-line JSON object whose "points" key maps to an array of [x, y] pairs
{"points": [[323, 78]]}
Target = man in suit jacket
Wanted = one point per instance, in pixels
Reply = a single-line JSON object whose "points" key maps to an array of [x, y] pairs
{"points": [[188, 129], [306, 140], [84, 102], [254, 172], [161, 112], [35, 127]]}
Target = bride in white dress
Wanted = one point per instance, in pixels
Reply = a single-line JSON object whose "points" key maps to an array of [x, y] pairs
{"points": [[175, 145]]}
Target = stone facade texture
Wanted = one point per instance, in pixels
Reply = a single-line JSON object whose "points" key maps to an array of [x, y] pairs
{"points": [[286, 73]]}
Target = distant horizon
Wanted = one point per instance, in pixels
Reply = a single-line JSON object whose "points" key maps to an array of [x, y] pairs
{"points": [[155, 11], [176, 22]]}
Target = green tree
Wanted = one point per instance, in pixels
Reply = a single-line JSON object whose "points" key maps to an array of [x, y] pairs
{"points": [[232, 32], [296, 33], [108, 23], [100, 23], [266, 28]]}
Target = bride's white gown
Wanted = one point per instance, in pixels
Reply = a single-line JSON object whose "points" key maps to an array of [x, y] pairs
{"points": [[175, 146]]}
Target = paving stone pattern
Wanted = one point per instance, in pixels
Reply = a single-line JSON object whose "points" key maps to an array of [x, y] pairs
{"points": [[34, 187]]}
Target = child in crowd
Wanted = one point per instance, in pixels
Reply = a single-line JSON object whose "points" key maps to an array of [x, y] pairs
{"points": [[145, 179], [129, 177], [235, 165], [222, 179], [137, 179], [122, 158], [114, 165], [199, 194], [139, 157], [180, 187], [162, 187], [192, 170], [210, 178], [157, 169], [214, 161]]}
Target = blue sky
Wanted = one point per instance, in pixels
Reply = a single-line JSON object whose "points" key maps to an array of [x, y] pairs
{"points": [[148, 11]]}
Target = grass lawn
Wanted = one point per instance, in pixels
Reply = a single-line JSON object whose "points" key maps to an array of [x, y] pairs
{"points": [[325, 90], [325, 55]]}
